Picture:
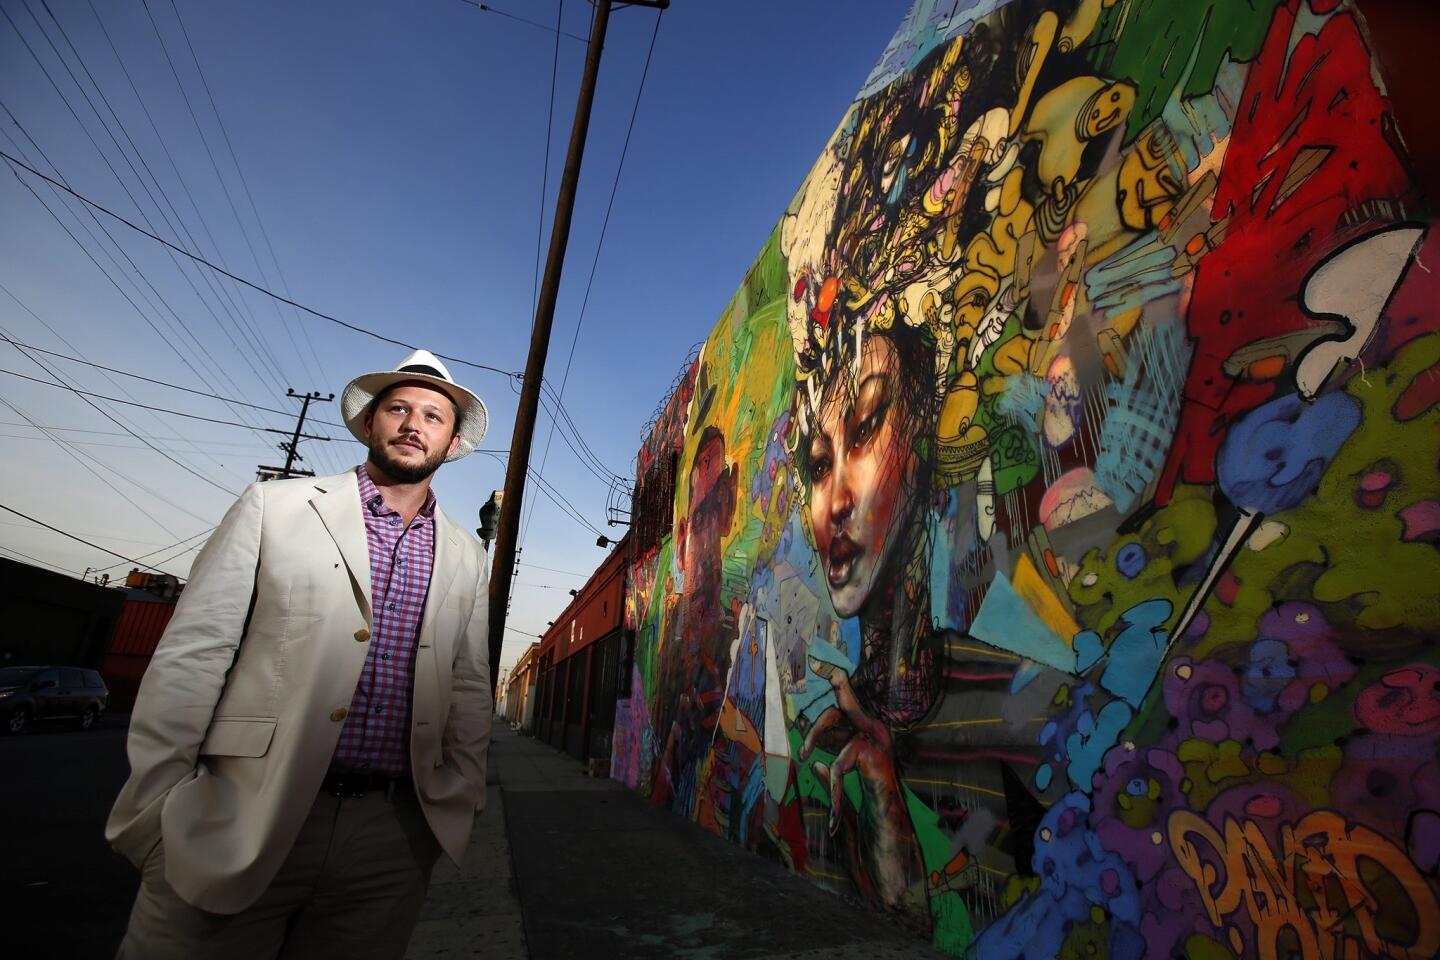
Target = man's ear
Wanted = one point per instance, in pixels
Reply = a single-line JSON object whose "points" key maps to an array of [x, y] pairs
{"points": [[454, 442], [369, 419]]}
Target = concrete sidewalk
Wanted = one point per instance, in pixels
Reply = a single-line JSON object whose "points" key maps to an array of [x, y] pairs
{"points": [[564, 865]]}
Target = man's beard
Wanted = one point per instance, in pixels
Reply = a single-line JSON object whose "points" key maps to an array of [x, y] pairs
{"points": [[396, 469]]}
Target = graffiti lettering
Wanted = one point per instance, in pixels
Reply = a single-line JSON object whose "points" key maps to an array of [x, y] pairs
{"points": [[1323, 888]]}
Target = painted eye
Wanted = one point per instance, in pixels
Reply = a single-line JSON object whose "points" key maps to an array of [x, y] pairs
{"points": [[866, 430]]}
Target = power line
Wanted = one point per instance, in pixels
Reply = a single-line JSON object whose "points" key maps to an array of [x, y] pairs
{"points": [[44, 563], [594, 458], [225, 188], [568, 429], [169, 341], [169, 546], [239, 279], [162, 383], [115, 383], [259, 341], [614, 188], [86, 460], [88, 533], [594, 264], [93, 546], [552, 494], [173, 413], [204, 225], [486, 8], [237, 448], [89, 102], [176, 170], [568, 573], [254, 210], [109, 416], [513, 375]]}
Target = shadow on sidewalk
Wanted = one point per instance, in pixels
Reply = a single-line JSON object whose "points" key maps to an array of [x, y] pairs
{"points": [[600, 872]]}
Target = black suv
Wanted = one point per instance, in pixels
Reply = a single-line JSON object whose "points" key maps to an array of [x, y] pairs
{"points": [[39, 694]]}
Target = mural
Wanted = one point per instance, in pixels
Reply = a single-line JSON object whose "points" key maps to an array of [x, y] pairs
{"points": [[1043, 544]]}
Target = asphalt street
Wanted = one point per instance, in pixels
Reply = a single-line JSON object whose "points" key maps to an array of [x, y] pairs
{"points": [[64, 893]]}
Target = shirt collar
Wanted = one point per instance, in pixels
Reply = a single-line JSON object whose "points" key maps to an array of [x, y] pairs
{"points": [[371, 499]]}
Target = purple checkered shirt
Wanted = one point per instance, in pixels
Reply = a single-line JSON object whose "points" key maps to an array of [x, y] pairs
{"points": [[376, 735]]}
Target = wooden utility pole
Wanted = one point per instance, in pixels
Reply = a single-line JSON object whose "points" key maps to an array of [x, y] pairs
{"points": [[292, 448], [502, 571]]}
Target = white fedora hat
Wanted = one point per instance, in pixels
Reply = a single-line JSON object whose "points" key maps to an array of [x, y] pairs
{"points": [[424, 366]]}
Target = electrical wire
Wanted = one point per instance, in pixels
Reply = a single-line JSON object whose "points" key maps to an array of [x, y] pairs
{"points": [[173, 413], [162, 383], [90, 533], [169, 546], [568, 573], [174, 167], [170, 340], [89, 102], [225, 188], [254, 286], [93, 546], [185, 187], [486, 8], [610, 206], [254, 210], [90, 462], [553, 495], [595, 263], [115, 383], [44, 563]]}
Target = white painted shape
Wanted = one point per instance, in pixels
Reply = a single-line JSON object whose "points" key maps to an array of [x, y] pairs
{"points": [[1355, 284]]}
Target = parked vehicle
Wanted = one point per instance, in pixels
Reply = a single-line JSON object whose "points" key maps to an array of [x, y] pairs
{"points": [[48, 694]]}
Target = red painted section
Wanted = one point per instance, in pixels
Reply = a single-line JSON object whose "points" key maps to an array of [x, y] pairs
{"points": [[136, 635], [140, 627], [1320, 96]]}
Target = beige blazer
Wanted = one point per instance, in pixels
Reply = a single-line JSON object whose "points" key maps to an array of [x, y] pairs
{"points": [[241, 707]]}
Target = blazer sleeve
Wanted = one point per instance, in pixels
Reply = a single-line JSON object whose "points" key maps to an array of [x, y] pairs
{"points": [[186, 676], [466, 743]]}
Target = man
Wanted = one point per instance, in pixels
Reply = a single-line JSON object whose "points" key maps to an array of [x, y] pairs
{"points": [[312, 730], [694, 669]]}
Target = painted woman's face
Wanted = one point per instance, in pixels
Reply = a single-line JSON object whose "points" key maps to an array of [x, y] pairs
{"points": [[860, 456]]}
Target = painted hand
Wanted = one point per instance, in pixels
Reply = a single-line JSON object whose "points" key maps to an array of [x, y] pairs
{"points": [[864, 745]]}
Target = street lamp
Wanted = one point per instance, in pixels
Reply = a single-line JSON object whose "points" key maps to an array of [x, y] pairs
{"points": [[490, 518]]}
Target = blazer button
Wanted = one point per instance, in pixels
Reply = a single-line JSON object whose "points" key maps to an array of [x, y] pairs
{"points": [[362, 634], [338, 714]]}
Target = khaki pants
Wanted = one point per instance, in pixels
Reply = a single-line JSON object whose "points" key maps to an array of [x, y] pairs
{"points": [[351, 887]]}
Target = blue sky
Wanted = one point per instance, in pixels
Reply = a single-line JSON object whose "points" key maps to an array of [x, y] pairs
{"points": [[395, 154]]}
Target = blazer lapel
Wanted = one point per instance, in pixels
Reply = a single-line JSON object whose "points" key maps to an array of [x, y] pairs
{"points": [[338, 504], [448, 552]]}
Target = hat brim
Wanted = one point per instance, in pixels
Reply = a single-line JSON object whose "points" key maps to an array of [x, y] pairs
{"points": [[361, 392]]}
